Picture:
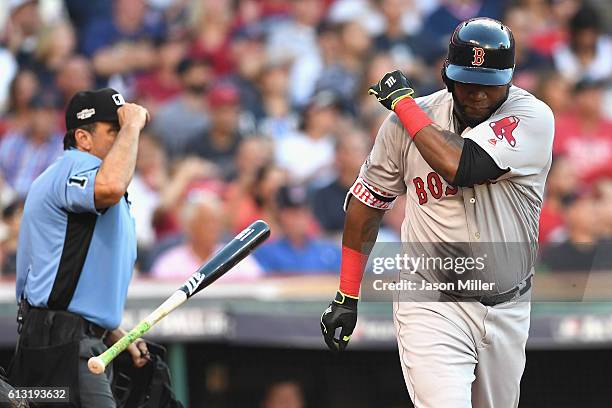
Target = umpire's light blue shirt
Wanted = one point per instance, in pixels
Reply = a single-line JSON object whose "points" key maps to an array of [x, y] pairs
{"points": [[62, 230]]}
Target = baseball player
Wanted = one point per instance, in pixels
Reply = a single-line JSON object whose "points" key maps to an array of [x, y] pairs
{"points": [[472, 160]]}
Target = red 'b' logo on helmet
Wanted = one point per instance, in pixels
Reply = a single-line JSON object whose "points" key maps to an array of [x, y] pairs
{"points": [[479, 55]]}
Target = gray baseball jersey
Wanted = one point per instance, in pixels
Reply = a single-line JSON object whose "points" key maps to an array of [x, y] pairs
{"points": [[497, 219]]}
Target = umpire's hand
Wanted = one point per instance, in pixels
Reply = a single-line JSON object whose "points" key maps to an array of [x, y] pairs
{"points": [[342, 312], [138, 349], [133, 114], [392, 88]]}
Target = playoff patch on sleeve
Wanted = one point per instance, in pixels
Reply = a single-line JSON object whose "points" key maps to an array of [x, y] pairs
{"points": [[369, 195]]}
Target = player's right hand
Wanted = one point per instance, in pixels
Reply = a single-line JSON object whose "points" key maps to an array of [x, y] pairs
{"points": [[342, 312], [131, 113], [392, 88]]}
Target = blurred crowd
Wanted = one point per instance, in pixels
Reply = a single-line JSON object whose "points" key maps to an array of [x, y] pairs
{"points": [[259, 110]]}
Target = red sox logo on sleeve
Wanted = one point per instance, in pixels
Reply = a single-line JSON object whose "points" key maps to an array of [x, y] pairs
{"points": [[504, 127]]}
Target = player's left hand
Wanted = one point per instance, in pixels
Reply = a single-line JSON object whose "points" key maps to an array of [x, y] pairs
{"points": [[392, 88], [342, 312]]}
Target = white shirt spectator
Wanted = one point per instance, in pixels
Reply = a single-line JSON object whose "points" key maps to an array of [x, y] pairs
{"points": [[305, 158], [144, 202], [9, 69], [600, 67]]}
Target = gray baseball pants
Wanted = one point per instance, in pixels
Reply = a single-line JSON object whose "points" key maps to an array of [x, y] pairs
{"points": [[462, 354]]}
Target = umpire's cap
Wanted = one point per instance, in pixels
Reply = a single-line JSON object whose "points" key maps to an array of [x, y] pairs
{"points": [[93, 106], [480, 51]]}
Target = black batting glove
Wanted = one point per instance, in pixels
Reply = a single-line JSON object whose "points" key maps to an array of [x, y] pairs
{"points": [[392, 88], [342, 312]]}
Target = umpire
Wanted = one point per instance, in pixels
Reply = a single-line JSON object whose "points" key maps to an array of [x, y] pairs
{"points": [[77, 247]]}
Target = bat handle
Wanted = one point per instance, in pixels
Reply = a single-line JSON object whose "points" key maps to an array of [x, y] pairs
{"points": [[96, 365]]}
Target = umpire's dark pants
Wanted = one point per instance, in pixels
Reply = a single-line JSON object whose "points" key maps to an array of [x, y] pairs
{"points": [[53, 350], [95, 389]]}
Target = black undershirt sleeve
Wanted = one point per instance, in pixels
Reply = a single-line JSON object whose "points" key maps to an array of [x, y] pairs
{"points": [[475, 166]]}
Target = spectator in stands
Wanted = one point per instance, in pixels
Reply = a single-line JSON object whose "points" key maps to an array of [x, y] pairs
{"points": [[603, 204], [56, 45], [11, 217], [304, 76], [23, 25], [283, 394], [308, 155], [185, 175], [211, 24], [328, 202], [9, 68], [7, 194], [253, 153], [150, 178], [277, 119], [561, 187], [588, 53], [24, 155], [295, 39], [22, 90], [202, 221], [249, 56], [584, 135], [579, 250], [396, 41], [219, 144], [74, 75], [528, 62], [440, 23], [163, 83], [555, 90], [297, 251], [185, 117], [254, 197], [82, 14], [123, 44], [548, 22], [343, 77]]}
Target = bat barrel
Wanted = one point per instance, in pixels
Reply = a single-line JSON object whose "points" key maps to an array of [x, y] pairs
{"points": [[232, 253]]}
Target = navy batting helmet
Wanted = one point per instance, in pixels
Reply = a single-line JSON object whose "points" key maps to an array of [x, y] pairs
{"points": [[480, 51]]}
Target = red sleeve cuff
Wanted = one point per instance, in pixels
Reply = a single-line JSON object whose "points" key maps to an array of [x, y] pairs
{"points": [[412, 116], [351, 271]]}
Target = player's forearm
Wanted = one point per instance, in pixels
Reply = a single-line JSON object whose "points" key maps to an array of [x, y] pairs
{"points": [[360, 231], [361, 226], [441, 149], [118, 166]]}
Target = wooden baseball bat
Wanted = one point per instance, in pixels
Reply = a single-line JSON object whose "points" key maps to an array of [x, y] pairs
{"points": [[221, 262]]}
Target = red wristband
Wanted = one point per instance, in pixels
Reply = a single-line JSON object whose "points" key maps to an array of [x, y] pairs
{"points": [[412, 116], [351, 271]]}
